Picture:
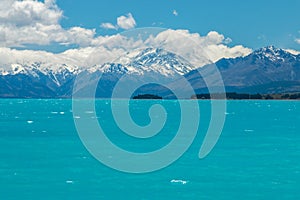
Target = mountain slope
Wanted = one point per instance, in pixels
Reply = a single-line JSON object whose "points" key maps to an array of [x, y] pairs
{"points": [[35, 80], [266, 70], [146, 65], [156, 60], [48, 80]]}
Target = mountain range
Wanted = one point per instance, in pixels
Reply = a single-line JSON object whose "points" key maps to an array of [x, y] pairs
{"points": [[266, 70]]}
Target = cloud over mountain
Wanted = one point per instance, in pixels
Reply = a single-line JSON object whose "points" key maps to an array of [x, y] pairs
{"points": [[199, 50], [32, 22]]}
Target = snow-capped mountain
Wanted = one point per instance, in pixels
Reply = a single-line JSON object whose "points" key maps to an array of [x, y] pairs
{"points": [[35, 79], [147, 61], [155, 60], [58, 78], [151, 64], [138, 62], [116, 68], [265, 70], [58, 73]]}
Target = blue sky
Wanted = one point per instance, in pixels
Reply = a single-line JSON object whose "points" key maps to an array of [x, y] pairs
{"points": [[251, 23], [73, 30]]}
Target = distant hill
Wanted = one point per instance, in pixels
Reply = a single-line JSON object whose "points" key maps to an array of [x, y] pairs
{"points": [[245, 96], [147, 96]]}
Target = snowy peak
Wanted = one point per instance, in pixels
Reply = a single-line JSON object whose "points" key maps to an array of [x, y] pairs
{"points": [[155, 60], [16, 69], [273, 54], [139, 62], [36, 68], [109, 68], [265, 70], [55, 73]]}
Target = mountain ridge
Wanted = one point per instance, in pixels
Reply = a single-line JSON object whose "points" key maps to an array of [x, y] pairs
{"points": [[256, 72], [265, 70]]}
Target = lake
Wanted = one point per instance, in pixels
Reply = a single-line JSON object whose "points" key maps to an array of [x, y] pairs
{"points": [[257, 155]]}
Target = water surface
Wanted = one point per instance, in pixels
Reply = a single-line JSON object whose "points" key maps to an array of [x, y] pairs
{"points": [[256, 157]]}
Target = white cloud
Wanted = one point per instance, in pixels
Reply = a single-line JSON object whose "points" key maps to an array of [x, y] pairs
{"points": [[81, 36], [108, 25], [126, 22], [175, 13], [11, 56], [29, 12], [292, 51], [214, 37], [199, 50], [35, 22]]}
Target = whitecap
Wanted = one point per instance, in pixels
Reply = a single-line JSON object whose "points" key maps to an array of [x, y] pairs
{"points": [[29, 122], [62, 113], [54, 112], [77, 117], [249, 130], [178, 181], [227, 113], [69, 182]]}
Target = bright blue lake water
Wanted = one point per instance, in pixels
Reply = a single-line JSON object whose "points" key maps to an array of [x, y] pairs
{"points": [[256, 157]]}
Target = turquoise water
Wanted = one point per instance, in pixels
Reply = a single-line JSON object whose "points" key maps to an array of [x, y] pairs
{"points": [[256, 157]]}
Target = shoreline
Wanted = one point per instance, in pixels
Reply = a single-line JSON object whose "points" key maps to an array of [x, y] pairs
{"points": [[187, 99]]}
